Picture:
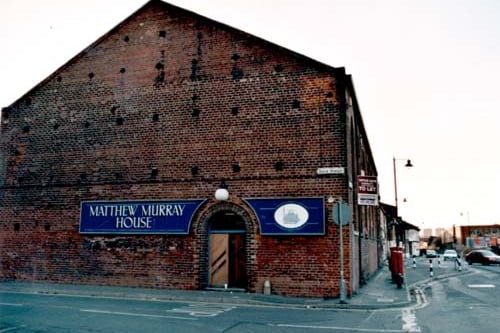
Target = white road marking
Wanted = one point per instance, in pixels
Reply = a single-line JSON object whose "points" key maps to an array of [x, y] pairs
{"points": [[203, 310], [409, 320], [135, 314], [477, 306], [481, 285], [340, 328], [421, 299], [408, 314], [11, 304], [8, 329]]}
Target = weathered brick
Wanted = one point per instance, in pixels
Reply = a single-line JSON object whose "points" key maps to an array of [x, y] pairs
{"points": [[163, 107]]}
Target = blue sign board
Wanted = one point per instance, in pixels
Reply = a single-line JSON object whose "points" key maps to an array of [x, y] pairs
{"points": [[290, 216], [137, 217]]}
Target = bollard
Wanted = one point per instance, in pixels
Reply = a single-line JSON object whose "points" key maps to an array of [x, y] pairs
{"points": [[439, 260], [431, 272], [267, 287], [414, 263], [399, 280], [458, 263]]}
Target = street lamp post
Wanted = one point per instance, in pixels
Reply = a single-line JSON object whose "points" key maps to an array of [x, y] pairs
{"points": [[397, 252], [408, 165]]}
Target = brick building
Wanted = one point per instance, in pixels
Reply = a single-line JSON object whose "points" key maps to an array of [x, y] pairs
{"points": [[109, 166], [477, 236]]}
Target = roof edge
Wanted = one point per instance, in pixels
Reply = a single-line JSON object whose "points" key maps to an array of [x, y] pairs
{"points": [[151, 2]]}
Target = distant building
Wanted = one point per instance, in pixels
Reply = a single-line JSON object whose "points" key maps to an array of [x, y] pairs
{"points": [[447, 236], [478, 236], [399, 232], [412, 240], [427, 232]]}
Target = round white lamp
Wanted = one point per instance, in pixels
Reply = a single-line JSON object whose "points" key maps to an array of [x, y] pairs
{"points": [[222, 194]]}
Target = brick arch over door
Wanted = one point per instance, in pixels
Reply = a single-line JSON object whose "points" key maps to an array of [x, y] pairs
{"points": [[201, 230]]}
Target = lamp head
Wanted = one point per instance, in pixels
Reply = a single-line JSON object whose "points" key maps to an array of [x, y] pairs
{"points": [[222, 194]]}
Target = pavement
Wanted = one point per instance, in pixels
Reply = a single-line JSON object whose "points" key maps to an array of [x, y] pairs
{"points": [[378, 292]]}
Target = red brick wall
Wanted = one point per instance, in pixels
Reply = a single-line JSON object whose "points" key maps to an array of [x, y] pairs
{"points": [[170, 91]]}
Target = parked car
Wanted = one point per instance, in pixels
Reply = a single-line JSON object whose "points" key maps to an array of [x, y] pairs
{"points": [[450, 255], [431, 254], [484, 257]]}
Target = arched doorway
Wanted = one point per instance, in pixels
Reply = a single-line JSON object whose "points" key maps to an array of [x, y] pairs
{"points": [[227, 250]]}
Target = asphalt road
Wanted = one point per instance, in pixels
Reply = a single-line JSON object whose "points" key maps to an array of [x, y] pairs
{"points": [[49, 313], [464, 302], [467, 302]]}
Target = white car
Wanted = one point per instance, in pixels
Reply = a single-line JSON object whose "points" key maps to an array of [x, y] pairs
{"points": [[450, 254], [431, 254]]}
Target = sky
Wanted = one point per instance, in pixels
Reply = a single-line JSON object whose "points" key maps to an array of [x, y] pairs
{"points": [[425, 72]]}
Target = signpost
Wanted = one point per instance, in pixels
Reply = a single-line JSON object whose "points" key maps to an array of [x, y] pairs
{"points": [[289, 216], [367, 191], [137, 217], [341, 216], [330, 171]]}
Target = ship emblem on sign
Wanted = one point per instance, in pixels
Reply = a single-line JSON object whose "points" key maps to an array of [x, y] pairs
{"points": [[291, 216]]}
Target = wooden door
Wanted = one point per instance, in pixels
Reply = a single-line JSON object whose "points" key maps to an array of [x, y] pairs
{"points": [[219, 260], [237, 261]]}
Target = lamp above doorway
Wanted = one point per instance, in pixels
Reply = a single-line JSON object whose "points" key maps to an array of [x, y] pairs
{"points": [[222, 194]]}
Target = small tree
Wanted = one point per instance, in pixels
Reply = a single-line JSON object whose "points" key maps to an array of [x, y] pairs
{"points": [[434, 242]]}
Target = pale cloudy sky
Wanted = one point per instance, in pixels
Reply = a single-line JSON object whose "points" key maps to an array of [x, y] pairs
{"points": [[426, 74]]}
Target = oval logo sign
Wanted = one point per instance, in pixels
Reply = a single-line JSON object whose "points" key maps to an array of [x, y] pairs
{"points": [[291, 216]]}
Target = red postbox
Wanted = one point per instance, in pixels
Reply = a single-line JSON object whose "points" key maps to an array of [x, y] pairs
{"points": [[396, 265]]}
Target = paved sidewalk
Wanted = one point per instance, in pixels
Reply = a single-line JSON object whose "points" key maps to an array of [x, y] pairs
{"points": [[379, 292]]}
